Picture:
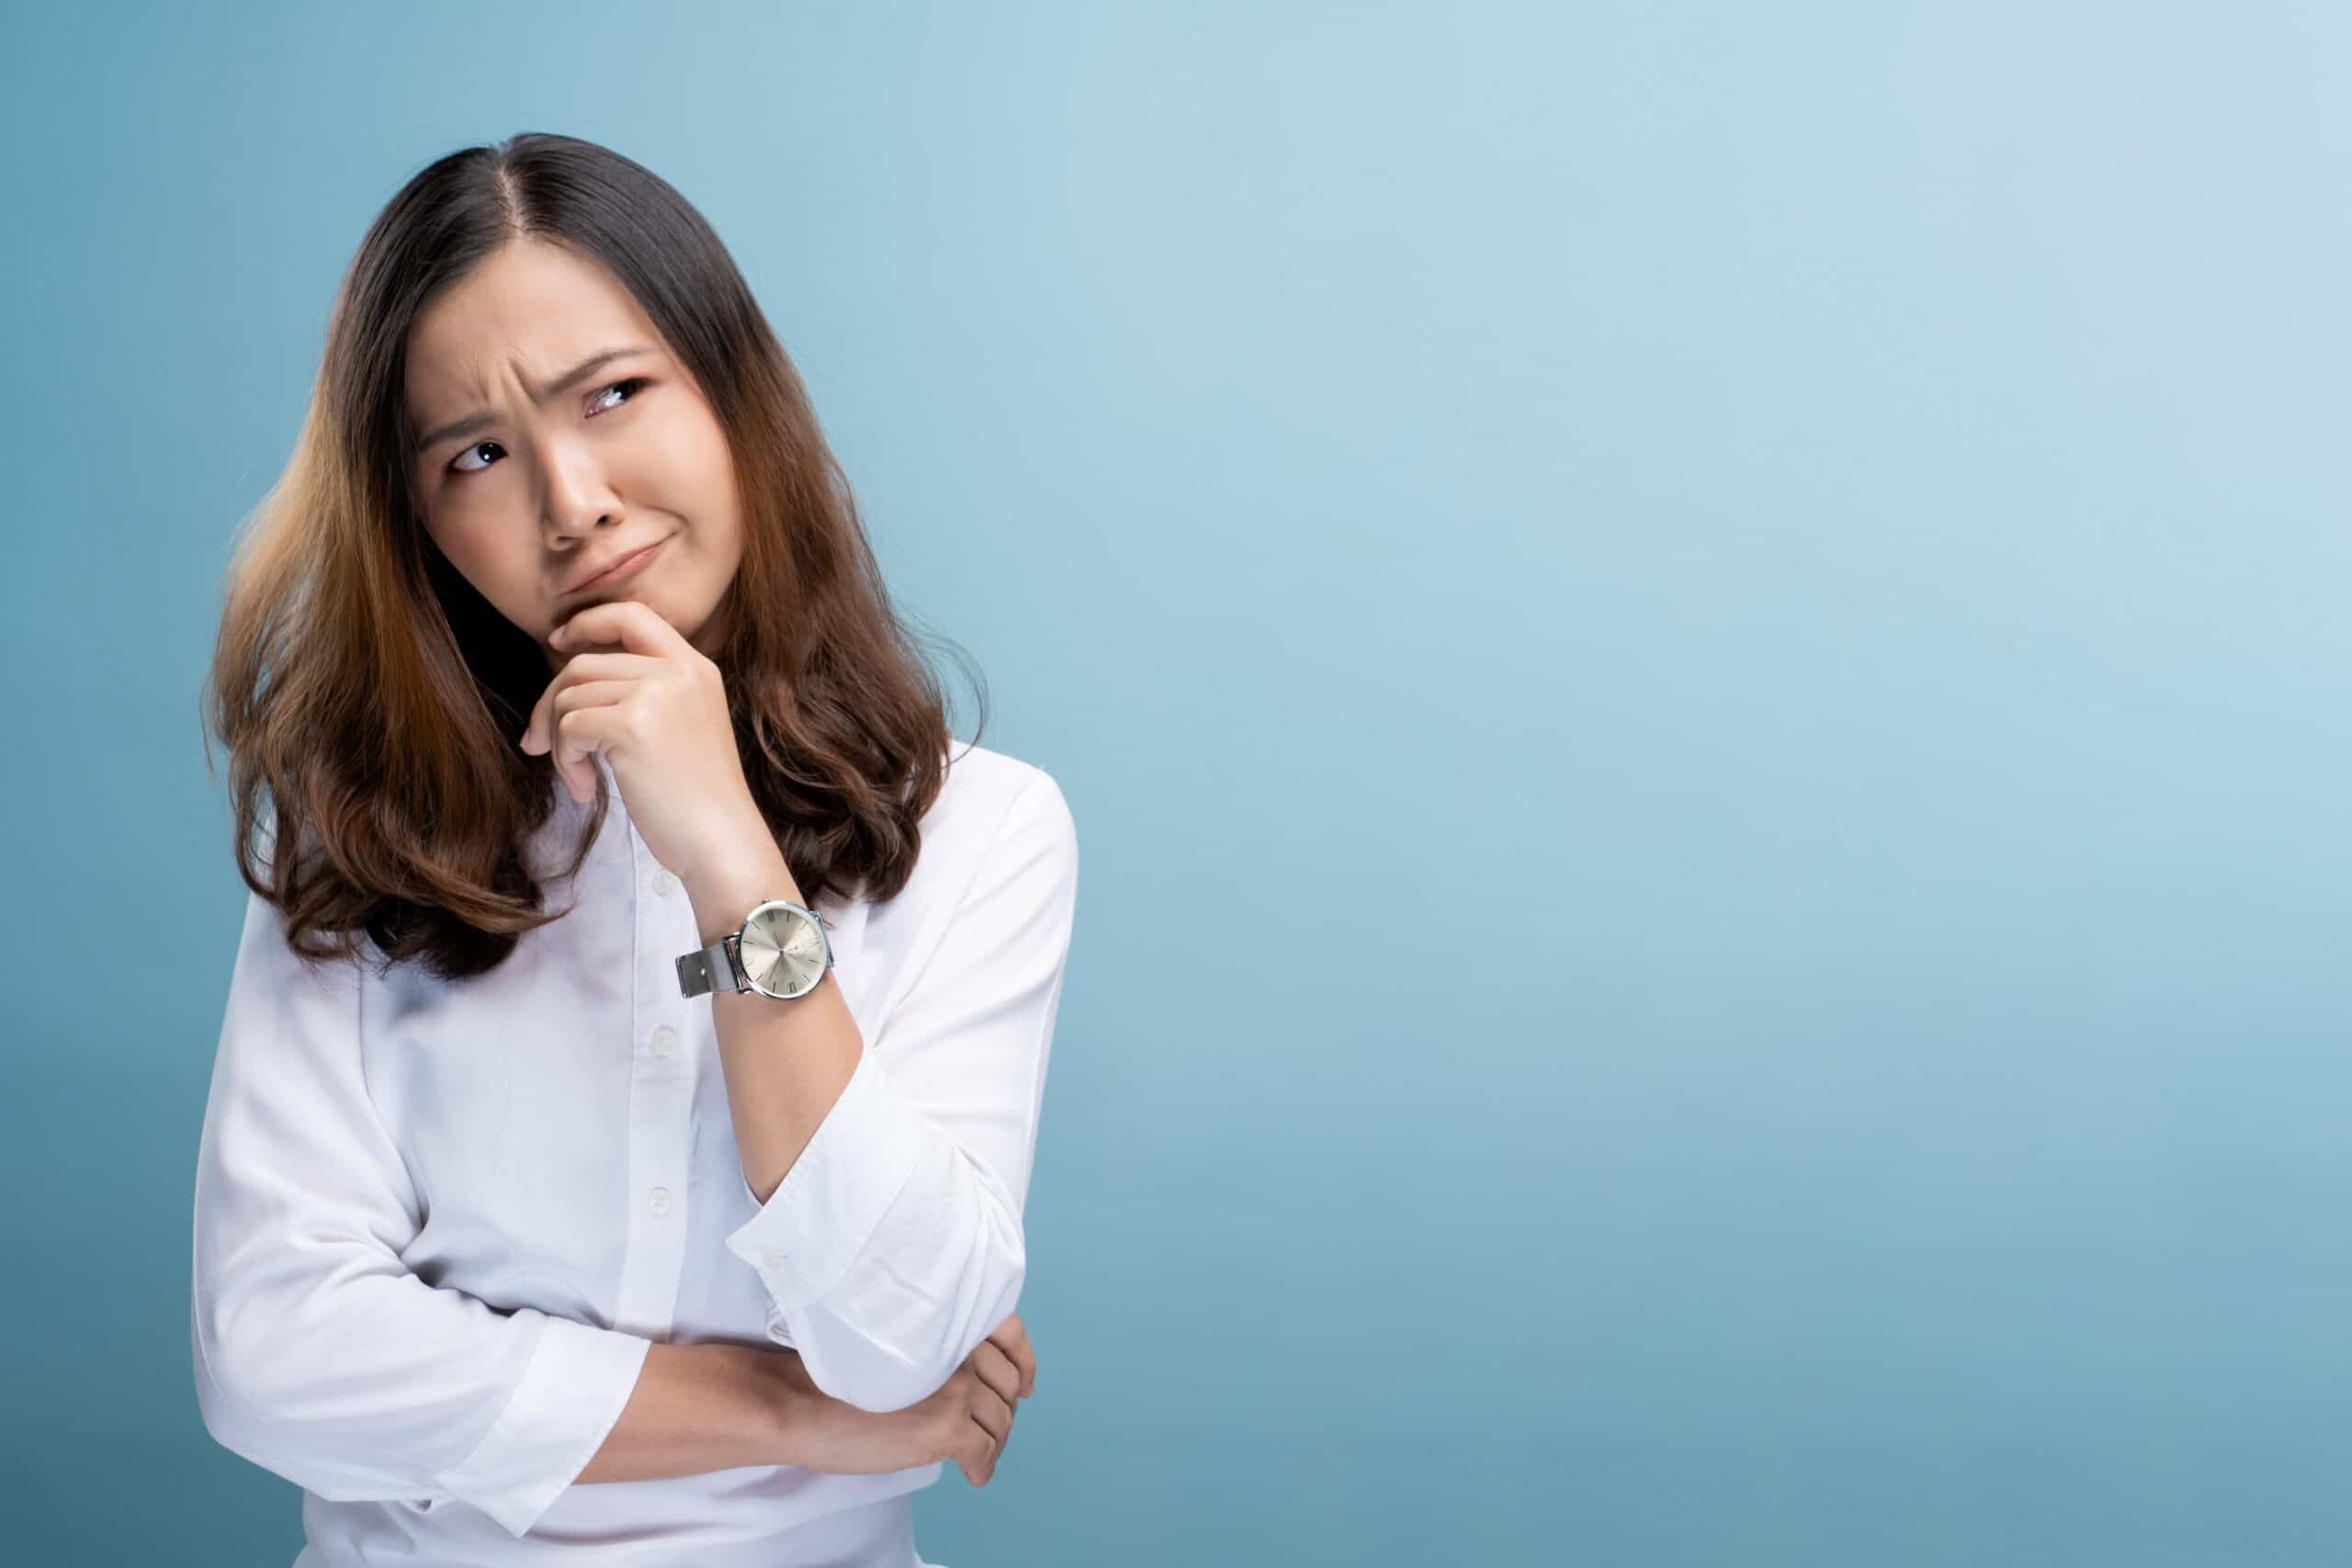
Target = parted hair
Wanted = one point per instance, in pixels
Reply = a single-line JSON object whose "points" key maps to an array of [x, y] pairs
{"points": [[370, 698]]}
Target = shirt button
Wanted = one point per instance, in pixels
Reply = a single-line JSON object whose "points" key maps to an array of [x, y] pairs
{"points": [[665, 1040], [657, 1200], [664, 883], [771, 1258]]}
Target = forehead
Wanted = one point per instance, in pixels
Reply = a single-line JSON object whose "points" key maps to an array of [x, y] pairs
{"points": [[522, 317]]}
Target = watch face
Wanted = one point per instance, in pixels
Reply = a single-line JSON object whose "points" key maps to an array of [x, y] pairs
{"points": [[783, 950]]}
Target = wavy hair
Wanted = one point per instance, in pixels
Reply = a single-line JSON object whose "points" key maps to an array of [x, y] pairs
{"points": [[364, 690]]}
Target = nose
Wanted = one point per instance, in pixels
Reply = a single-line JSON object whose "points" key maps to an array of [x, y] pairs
{"points": [[578, 500]]}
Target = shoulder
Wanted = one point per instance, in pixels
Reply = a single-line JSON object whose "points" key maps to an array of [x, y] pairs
{"points": [[995, 817], [989, 797], [984, 789]]}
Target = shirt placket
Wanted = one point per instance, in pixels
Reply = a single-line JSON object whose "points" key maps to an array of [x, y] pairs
{"points": [[662, 1095]]}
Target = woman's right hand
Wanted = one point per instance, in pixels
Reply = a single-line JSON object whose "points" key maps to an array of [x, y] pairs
{"points": [[969, 1420]]}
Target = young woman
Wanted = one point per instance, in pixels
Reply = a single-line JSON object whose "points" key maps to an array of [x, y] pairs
{"points": [[630, 1074]]}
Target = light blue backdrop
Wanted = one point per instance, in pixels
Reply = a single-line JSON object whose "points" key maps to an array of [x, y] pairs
{"points": [[1700, 653]]}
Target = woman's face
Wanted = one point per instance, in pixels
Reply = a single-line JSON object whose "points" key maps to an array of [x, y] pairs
{"points": [[549, 483]]}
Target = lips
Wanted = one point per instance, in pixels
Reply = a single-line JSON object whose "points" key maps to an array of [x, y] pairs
{"points": [[614, 565]]}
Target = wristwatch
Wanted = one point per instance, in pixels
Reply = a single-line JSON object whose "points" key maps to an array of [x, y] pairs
{"points": [[780, 951]]}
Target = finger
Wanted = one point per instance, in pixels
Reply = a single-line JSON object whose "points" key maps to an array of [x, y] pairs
{"points": [[585, 667], [535, 728], [993, 1411], [993, 1416], [994, 1368], [975, 1454], [994, 1444], [578, 733], [1012, 1420], [1013, 1338], [631, 623], [573, 744]]}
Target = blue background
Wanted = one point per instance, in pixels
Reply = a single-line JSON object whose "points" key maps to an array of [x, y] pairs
{"points": [[1700, 651]]}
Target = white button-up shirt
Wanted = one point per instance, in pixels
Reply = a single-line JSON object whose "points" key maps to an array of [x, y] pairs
{"points": [[438, 1225]]}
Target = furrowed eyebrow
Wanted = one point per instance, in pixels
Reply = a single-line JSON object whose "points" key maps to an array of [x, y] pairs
{"points": [[561, 384]]}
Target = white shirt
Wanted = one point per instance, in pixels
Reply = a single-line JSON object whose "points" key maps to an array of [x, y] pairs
{"points": [[438, 1225]]}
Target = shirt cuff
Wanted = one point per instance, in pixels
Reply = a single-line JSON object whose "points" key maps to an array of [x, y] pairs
{"points": [[805, 1237], [571, 1394]]}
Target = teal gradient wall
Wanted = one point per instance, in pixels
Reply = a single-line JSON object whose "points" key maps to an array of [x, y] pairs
{"points": [[1701, 651]]}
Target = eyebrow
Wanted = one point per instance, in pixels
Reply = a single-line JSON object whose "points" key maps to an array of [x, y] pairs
{"points": [[561, 384]]}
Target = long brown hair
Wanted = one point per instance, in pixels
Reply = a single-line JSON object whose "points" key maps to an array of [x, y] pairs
{"points": [[364, 687]]}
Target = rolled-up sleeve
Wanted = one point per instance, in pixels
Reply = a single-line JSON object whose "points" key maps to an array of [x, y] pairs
{"points": [[894, 1246], [318, 1354]]}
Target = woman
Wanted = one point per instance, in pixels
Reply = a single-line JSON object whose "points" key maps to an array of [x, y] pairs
{"points": [[568, 673]]}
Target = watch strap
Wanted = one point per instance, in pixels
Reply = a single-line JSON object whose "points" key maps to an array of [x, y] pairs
{"points": [[712, 968]]}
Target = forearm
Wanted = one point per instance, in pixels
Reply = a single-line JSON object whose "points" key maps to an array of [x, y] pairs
{"points": [[786, 1062], [699, 1407]]}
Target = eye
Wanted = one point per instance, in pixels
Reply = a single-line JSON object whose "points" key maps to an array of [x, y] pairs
{"points": [[632, 385]]}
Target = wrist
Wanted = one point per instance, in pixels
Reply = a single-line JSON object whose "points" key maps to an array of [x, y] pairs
{"points": [[790, 1397], [722, 895]]}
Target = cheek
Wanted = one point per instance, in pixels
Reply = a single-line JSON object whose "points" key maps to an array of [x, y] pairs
{"points": [[705, 470]]}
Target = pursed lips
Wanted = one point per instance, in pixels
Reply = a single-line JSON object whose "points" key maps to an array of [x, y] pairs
{"points": [[618, 565]]}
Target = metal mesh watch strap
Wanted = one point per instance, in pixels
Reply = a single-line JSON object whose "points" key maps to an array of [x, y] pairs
{"points": [[696, 971]]}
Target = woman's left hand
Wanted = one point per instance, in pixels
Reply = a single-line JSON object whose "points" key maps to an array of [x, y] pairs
{"points": [[657, 709]]}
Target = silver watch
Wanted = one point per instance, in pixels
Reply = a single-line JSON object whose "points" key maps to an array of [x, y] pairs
{"points": [[780, 951]]}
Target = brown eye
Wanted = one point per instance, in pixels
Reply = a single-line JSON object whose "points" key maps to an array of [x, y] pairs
{"points": [[632, 384]]}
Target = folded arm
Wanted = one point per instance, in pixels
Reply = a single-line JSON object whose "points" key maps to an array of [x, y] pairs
{"points": [[318, 1355], [894, 1245]]}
